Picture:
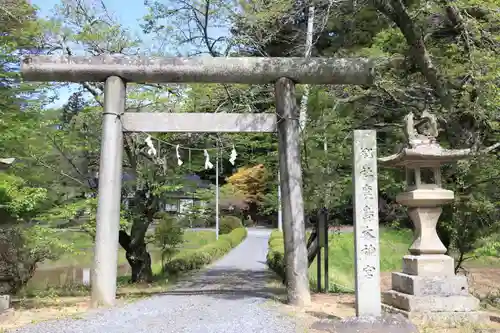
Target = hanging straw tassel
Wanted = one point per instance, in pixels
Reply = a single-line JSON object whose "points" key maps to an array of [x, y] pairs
{"points": [[208, 164], [179, 162], [149, 143], [232, 158]]}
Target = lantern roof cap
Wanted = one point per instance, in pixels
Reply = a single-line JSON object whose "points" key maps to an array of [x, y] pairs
{"points": [[426, 154], [422, 148]]}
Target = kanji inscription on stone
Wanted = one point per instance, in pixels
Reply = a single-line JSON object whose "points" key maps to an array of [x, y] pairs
{"points": [[367, 172], [367, 152], [368, 213], [367, 191], [368, 233], [366, 228], [369, 271], [368, 250]]}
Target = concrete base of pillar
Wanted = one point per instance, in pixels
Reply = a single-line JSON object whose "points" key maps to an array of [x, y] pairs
{"points": [[430, 303], [441, 319], [387, 323], [4, 302]]}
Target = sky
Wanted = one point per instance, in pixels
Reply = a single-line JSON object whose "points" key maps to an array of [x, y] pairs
{"points": [[128, 15]]}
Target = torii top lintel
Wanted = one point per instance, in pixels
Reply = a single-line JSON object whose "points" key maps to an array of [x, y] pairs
{"points": [[249, 70]]}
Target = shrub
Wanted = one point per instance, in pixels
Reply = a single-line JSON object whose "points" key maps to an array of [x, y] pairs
{"points": [[23, 245], [187, 261], [228, 224], [168, 235], [21, 249], [193, 220], [276, 253], [161, 215]]}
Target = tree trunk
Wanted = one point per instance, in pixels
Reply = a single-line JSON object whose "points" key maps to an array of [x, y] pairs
{"points": [[253, 212], [138, 258], [140, 262], [145, 207]]}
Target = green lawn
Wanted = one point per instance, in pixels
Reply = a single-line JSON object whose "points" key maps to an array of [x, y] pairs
{"points": [[58, 273], [393, 245], [83, 246], [196, 239]]}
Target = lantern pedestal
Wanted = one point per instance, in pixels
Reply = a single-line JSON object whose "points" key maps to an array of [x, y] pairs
{"points": [[427, 289]]}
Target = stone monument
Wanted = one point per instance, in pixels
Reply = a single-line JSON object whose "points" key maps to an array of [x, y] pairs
{"points": [[427, 289], [366, 225], [369, 316]]}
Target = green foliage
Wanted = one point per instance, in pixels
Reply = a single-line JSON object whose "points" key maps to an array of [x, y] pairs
{"points": [[488, 246], [207, 254], [23, 244], [197, 216], [23, 196], [228, 224], [45, 244], [474, 213], [276, 253], [168, 236], [22, 249], [18, 200], [81, 213], [489, 250]]}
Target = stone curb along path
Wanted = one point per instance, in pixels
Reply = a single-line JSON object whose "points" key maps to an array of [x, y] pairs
{"points": [[230, 296]]}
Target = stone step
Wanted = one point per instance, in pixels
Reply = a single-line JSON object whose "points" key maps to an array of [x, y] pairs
{"points": [[430, 303], [430, 285]]}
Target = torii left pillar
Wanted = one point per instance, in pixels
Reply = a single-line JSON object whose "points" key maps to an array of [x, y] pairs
{"points": [[104, 273]]}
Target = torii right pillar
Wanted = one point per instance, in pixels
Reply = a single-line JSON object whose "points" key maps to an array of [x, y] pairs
{"points": [[427, 290]]}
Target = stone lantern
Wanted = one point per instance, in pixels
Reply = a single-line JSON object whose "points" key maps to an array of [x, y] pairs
{"points": [[427, 289]]}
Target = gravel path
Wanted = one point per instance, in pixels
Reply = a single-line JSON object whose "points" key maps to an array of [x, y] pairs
{"points": [[231, 296]]}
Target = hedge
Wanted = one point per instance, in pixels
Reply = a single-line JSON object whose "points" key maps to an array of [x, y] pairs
{"points": [[276, 253], [276, 262], [228, 224], [206, 254]]}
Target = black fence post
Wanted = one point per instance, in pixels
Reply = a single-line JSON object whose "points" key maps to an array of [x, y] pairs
{"points": [[318, 263], [324, 215]]}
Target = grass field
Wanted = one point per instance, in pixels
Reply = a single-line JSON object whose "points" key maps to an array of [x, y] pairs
{"points": [[66, 272], [83, 246], [394, 245]]}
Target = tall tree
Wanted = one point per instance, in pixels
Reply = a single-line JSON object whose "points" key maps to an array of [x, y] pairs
{"points": [[23, 244], [80, 28]]}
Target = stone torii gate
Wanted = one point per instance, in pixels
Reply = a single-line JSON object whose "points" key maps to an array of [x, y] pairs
{"points": [[116, 70]]}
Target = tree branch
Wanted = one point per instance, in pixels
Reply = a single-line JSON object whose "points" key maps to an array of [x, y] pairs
{"points": [[67, 158], [397, 12], [40, 162]]}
